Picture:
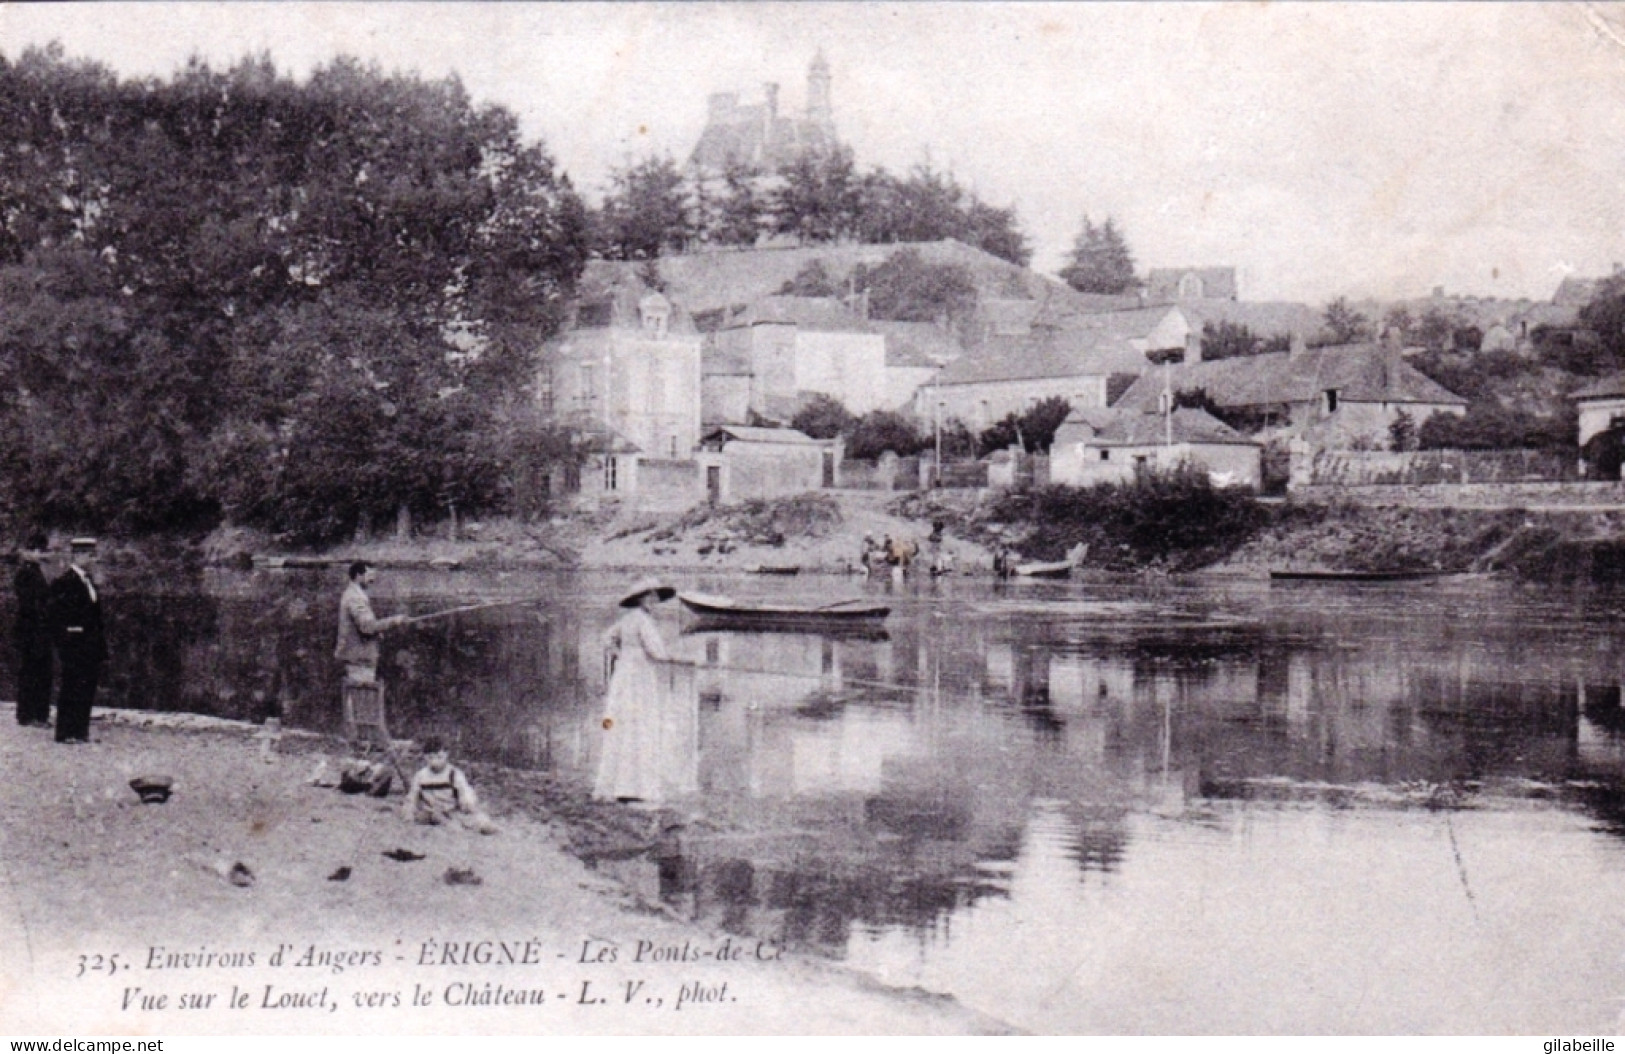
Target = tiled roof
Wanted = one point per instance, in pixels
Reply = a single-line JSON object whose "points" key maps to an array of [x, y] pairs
{"points": [[1264, 318], [748, 434], [1119, 427], [1077, 353], [819, 314], [1360, 373], [1607, 388]]}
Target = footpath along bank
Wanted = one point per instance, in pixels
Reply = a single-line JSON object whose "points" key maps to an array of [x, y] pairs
{"points": [[253, 901]]}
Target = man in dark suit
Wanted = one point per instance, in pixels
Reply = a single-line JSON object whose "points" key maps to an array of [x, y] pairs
{"points": [[76, 622], [33, 633]]}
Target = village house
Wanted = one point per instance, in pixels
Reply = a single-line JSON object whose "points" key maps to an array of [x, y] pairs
{"points": [[1343, 397], [627, 366], [1602, 426], [1110, 445], [741, 463], [1075, 360], [793, 346], [1170, 285]]}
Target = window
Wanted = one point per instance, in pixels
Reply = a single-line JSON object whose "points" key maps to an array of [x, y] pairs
{"points": [[611, 465], [1105, 455], [674, 448], [586, 396], [1331, 400]]}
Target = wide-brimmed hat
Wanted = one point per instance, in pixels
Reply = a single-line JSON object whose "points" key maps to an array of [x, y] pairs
{"points": [[647, 585], [154, 790]]}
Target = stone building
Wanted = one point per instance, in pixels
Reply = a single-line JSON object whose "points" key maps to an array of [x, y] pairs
{"points": [[762, 135]]}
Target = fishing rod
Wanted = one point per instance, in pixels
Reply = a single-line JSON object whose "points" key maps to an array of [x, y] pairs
{"points": [[466, 608]]}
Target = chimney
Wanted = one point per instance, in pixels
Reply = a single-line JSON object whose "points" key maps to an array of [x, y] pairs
{"points": [[1193, 347], [772, 91], [1438, 292], [1298, 348]]}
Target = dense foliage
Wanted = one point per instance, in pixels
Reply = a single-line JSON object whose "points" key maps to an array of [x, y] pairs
{"points": [[1230, 340], [1177, 519], [302, 306], [820, 197], [1033, 429], [1100, 261]]}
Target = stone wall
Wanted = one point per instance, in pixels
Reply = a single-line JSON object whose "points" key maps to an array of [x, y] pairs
{"points": [[1471, 495], [669, 486], [1357, 467]]}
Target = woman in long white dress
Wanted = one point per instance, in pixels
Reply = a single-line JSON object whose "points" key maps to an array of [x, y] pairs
{"points": [[633, 762]]}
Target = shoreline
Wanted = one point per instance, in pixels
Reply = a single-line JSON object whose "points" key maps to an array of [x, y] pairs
{"points": [[90, 870]]}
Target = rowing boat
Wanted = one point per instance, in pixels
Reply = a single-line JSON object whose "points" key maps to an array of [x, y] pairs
{"points": [[1054, 568], [1354, 576], [721, 610]]}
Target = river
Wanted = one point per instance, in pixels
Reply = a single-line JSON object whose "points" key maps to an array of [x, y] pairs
{"points": [[1168, 808]]}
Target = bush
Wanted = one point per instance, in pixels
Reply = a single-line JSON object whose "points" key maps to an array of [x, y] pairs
{"points": [[882, 430], [1489, 426], [1178, 519]]}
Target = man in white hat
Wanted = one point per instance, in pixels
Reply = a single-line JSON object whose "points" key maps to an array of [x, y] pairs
{"points": [[81, 643]]}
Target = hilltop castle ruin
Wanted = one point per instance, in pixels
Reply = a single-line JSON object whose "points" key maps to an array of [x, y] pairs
{"points": [[760, 135]]}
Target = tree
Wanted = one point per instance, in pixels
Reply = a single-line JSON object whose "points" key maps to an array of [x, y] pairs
{"points": [[930, 206], [1229, 340], [646, 212], [1034, 429], [1402, 432], [1344, 325], [742, 209], [818, 200], [1100, 261], [233, 293], [811, 280], [907, 289], [881, 430], [823, 417]]}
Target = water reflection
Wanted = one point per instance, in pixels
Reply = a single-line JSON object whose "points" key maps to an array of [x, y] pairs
{"points": [[1029, 767]]}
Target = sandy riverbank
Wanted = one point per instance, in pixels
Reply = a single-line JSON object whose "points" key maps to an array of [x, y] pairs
{"points": [[90, 871]]}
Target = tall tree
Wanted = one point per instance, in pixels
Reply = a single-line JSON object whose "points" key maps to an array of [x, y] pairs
{"points": [[1345, 325], [646, 212], [1100, 261], [818, 200]]}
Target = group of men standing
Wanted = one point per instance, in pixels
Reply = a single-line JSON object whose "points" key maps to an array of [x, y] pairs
{"points": [[60, 617]]}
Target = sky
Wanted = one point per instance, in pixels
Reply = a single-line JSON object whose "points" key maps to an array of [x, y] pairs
{"points": [[1323, 149]]}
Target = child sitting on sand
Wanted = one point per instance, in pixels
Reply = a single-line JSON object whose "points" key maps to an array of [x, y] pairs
{"points": [[440, 793]]}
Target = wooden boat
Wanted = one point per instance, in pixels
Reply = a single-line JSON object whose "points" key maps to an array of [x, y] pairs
{"points": [[778, 569], [1354, 576], [1054, 568], [725, 611]]}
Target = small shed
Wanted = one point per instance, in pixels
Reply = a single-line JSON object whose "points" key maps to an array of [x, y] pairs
{"points": [[1110, 445], [741, 462]]}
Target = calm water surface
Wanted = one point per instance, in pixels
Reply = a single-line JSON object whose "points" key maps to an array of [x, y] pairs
{"points": [[1299, 808]]}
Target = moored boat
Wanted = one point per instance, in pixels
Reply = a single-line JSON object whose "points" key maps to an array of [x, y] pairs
{"points": [[1355, 576], [721, 610]]}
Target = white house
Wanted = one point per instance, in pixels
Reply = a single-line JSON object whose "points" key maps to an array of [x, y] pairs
{"points": [[1074, 360], [1336, 397], [1110, 445], [795, 345]]}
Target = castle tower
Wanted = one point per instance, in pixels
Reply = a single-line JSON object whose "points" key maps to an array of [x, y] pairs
{"points": [[819, 110]]}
